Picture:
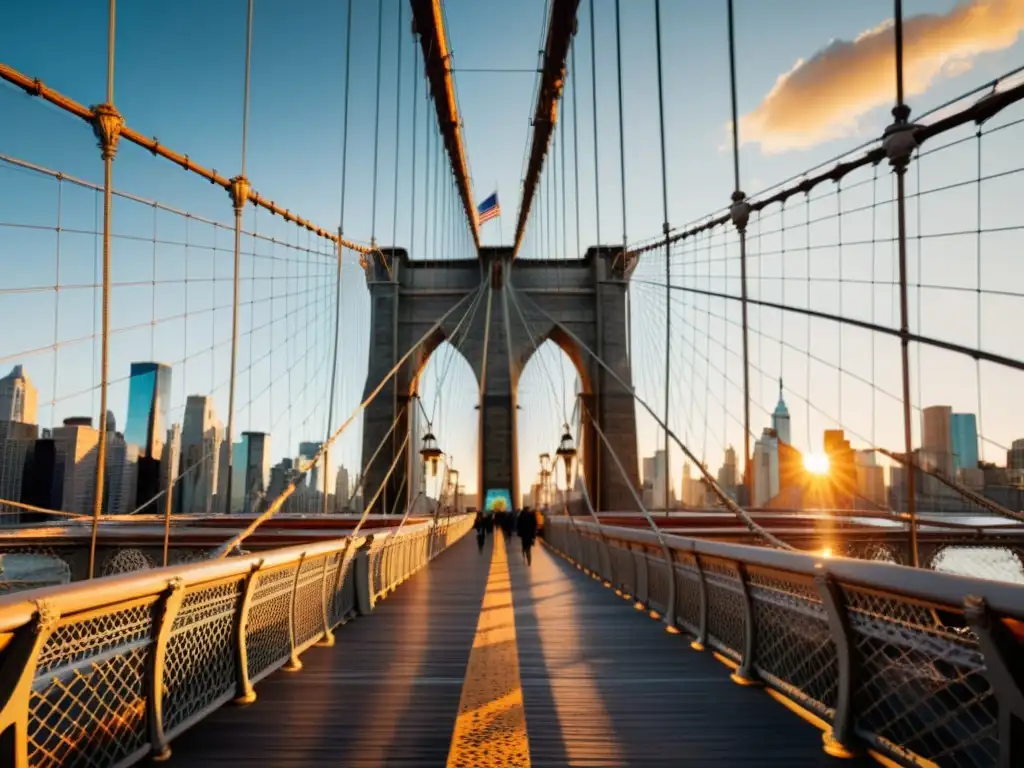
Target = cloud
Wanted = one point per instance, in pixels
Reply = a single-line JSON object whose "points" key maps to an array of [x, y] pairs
{"points": [[826, 96]]}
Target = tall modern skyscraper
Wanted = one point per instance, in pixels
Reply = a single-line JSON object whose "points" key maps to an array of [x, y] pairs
{"points": [[963, 429], [765, 470], [201, 436], [76, 447], [17, 439], [18, 397], [341, 489], [780, 418], [727, 474], [170, 466], [936, 438], [121, 479], [251, 465], [149, 405], [314, 478]]}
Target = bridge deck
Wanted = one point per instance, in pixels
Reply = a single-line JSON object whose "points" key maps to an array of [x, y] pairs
{"points": [[598, 683]]}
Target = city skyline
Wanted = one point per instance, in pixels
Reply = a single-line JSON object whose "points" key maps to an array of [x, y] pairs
{"points": [[172, 273]]}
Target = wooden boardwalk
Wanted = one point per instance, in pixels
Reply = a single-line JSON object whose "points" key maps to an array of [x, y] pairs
{"points": [[601, 684]]}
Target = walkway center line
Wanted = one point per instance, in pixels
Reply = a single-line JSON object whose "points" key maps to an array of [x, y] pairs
{"points": [[490, 729]]}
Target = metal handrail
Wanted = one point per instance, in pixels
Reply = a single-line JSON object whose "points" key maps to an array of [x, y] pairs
{"points": [[915, 665], [148, 654]]}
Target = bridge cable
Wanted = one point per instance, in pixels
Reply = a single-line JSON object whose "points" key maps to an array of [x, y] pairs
{"points": [[575, 142], [716, 489], [622, 180], [275, 506], [668, 259], [740, 212], [108, 147], [593, 78], [398, 122], [376, 125]]}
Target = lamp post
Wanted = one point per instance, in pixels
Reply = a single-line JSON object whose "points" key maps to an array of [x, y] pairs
{"points": [[567, 453]]}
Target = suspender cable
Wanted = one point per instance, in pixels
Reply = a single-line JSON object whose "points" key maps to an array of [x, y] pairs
{"points": [[340, 258], [565, 224], [593, 80], [899, 144], [239, 193], [398, 123], [107, 127], [622, 178], [376, 124], [740, 215], [665, 229], [412, 183], [575, 145]]}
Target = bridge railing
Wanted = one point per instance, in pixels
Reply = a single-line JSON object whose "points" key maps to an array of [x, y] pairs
{"points": [[109, 671], [918, 666]]}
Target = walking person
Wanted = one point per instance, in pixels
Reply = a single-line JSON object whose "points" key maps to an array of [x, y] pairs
{"points": [[480, 526], [526, 528]]}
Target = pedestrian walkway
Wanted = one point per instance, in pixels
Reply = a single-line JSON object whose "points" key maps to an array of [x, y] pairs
{"points": [[480, 660]]}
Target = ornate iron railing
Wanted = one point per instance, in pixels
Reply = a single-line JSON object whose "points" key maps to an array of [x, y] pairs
{"points": [[109, 671], [919, 666]]}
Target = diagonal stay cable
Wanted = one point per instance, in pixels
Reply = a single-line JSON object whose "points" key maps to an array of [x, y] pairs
{"points": [[731, 505], [275, 506]]}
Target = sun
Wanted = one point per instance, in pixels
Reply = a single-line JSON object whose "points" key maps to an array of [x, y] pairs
{"points": [[816, 463]]}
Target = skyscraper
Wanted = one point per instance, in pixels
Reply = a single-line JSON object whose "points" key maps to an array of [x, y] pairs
{"points": [[17, 439], [842, 469], [936, 439], [963, 428], [251, 467], [171, 463], [341, 489], [765, 470], [18, 397], [727, 473], [76, 452], [780, 418], [201, 436], [149, 400], [121, 475]]}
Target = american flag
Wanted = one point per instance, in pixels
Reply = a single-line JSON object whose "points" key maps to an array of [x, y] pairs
{"points": [[488, 209]]}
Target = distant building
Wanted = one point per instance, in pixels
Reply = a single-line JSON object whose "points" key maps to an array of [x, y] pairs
{"points": [[963, 429], [870, 478], [842, 469], [780, 418], [200, 467], [18, 397], [171, 463], [42, 483], [76, 446], [342, 490], [727, 474], [251, 471], [937, 439], [120, 475], [149, 401], [765, 471], [17, 440]]}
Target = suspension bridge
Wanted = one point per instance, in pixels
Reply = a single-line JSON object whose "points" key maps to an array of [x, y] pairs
{"points": [[773, 446]]}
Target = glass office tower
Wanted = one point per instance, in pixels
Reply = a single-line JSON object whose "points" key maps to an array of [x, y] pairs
{"points": [[149, 401]]}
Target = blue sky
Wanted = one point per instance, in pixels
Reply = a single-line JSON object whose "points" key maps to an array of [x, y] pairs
{"points": [[179, 77]]}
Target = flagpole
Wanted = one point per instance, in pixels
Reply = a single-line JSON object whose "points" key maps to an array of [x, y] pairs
{"points": [[497, 199]]}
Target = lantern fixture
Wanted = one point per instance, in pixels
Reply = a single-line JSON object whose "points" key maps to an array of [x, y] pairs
{"points": [[567, 453], [430, 452]]}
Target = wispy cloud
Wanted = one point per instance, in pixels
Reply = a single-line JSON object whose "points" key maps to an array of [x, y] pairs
{"points": [[827, 95]]}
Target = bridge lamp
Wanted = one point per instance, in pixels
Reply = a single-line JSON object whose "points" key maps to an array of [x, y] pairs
{"points": [[567, 453], [430, 452]]}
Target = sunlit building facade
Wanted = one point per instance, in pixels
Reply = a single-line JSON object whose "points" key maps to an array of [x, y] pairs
{"points": [[149, 398], [18, 397]]}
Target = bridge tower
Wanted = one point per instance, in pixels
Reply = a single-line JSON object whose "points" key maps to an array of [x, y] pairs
{"points": [[546, 299]]}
